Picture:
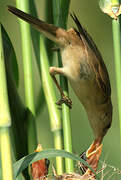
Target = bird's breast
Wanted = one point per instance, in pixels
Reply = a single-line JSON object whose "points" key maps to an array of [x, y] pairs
{"points": [[75, 63]]}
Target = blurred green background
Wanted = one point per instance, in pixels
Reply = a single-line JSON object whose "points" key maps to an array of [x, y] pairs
{"points": [[99, 26]]}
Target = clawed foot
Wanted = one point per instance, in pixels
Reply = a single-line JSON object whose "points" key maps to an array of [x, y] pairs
{"points": [[65, 100]]}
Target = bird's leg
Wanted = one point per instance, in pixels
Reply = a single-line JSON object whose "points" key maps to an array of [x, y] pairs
{"points": [[64, 99]]}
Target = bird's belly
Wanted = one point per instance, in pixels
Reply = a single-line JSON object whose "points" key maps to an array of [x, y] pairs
{"points": [[87, 91], [98, 109]]}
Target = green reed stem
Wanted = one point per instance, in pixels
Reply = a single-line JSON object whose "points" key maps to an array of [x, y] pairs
{"points": [[54, 113], [28, 75], [5, 120], [60, 14], [117, 57]]}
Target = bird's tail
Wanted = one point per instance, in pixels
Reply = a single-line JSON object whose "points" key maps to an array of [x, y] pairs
{"points": [[52, 32]]}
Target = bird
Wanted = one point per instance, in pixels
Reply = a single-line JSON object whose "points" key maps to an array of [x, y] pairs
{"points": [[84, 68]]}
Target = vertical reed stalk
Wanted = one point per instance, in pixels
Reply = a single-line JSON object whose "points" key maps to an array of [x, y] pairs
{"points": [[5, 120], [117, 57], [28, 75], [55, 118], [114, 7], [60, 14]]}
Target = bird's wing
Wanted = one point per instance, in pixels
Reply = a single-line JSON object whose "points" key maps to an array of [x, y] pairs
{"points": [[97, 63]]}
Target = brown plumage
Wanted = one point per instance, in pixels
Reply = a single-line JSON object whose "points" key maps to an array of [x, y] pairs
{"points": [[84, 67]]}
